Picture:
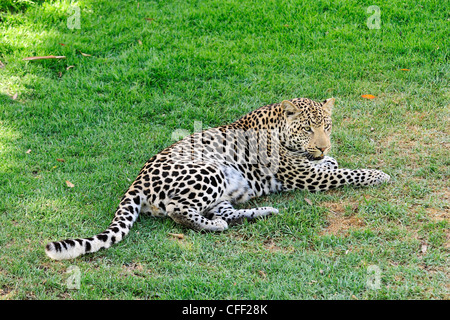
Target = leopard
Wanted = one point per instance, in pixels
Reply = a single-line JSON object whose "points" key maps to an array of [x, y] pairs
{"points": [[200, 180]]}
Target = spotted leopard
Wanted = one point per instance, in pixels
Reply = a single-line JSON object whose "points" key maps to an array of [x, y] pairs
{"points": [[197, 180]]}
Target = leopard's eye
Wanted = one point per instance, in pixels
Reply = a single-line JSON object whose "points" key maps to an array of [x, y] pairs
{"points": [[327, 127], [307, 129]]}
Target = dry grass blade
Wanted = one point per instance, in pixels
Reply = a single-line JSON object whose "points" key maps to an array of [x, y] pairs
{"points": [[424, 248], [177, 235], [43, 57], [70, 184]]}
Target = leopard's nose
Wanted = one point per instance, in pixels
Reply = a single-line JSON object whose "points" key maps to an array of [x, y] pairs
{"points": [[321, 149]]}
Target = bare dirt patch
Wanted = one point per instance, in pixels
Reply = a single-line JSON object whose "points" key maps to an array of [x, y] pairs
{"points": [[339, 223], [271, 245]]}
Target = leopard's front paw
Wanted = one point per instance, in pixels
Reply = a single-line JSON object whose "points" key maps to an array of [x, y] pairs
{"points": [[383, 177], [377, 177], [328, 163]]}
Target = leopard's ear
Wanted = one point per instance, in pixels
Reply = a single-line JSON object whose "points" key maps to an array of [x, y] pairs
{"points": [[289, 108], [328, 105]]}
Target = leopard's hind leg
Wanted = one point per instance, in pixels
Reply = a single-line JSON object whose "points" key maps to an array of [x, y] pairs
{"points": [[224, 210], [185, 214]]}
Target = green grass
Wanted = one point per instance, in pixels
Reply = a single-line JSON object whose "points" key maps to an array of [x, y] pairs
{"points": [[213, 61]]}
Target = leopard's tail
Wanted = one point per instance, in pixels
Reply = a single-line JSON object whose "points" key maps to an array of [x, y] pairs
{"points": [[125, 215]]}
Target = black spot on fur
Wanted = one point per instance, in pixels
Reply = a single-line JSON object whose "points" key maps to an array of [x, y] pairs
{"points": [[168, 180], [198, 186], [57, 246], [70, 243], [102, 237]]}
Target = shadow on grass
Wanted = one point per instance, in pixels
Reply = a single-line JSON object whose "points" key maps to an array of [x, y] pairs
{"points": [[14, 6]]}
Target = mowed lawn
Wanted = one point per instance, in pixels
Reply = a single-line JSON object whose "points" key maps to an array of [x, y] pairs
{"points": [[75, 132]]}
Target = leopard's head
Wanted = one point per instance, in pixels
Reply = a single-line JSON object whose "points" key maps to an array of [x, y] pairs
{"points": [[307, 127]]}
